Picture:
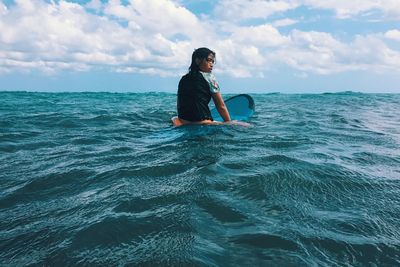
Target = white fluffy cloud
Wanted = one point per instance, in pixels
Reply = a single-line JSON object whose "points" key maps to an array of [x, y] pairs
{"points": [[65, 35], [393, 34], [239, 9], [321, 53], [157, 37], [284, 22], [252, 9], [155, 16], [263, 35], [346, 9]]}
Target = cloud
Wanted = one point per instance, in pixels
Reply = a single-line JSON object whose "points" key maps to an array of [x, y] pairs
{"points": [[346, 9], [263, 35], [393, 34], [343, 8], [160, 16], [321, 53], [3, 9], [284, 22], [95, 5], [238, 60], [234, 10], [315, 52], [64, 35], [157, 37]]}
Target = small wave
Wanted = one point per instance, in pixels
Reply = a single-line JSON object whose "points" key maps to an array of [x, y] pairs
{"points": [[344, 93], [47, 186], [221, 211], [339, 252], [104, 179], [266, 241]]}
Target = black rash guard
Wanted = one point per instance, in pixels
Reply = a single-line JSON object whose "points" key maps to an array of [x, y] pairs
{"points": [[193, 97]]}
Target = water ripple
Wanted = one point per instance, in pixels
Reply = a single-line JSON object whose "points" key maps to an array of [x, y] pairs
{"points": [[102, 179]]}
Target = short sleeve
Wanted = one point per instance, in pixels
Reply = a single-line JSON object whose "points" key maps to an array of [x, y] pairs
{"points": [[212, 82]]}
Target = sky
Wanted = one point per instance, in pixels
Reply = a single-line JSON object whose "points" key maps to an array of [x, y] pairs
{"points": [[287, 46]]}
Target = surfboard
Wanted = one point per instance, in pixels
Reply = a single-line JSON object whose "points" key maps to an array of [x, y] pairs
{"points": [[241, 108]]}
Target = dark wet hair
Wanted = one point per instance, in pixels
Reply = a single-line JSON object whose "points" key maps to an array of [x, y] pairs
{"points": [[200, 53]]}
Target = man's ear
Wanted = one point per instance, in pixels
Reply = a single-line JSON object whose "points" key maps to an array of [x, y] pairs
{"points": [[197, 60]]}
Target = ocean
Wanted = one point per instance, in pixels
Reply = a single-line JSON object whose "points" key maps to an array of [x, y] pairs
{"points": [[103, 179]]}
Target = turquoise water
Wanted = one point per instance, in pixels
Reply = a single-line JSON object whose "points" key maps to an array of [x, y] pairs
{"points": [[102, 179]]}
